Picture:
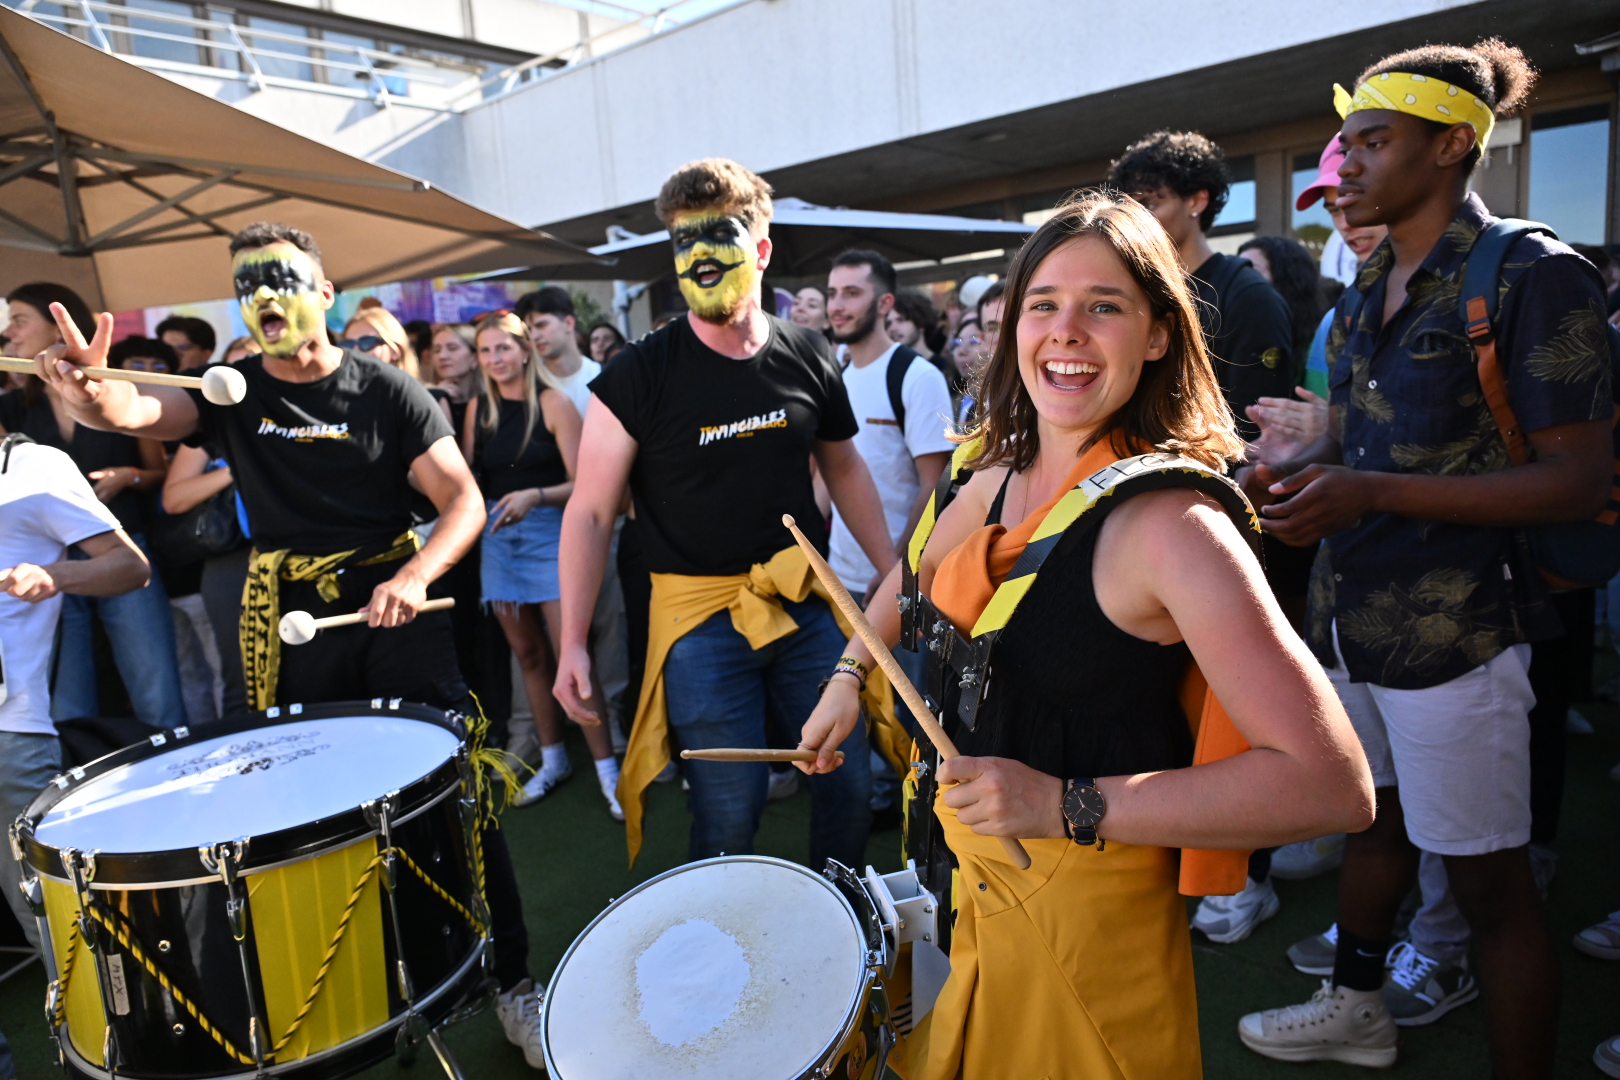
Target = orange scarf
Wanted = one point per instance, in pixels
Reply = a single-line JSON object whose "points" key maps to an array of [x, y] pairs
{"points": [[968, 577]]}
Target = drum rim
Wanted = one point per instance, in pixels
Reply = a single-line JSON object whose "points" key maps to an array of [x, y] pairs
{"points": [[852, 1013], [177, 867], [427, 1001]]}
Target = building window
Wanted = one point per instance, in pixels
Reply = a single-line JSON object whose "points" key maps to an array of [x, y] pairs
{"points": [[1311, 226], [1238, 213], [1569, 172], [157, 41], [275, 54]]}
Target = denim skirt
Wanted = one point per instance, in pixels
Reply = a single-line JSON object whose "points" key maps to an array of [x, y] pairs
{"points": [[519, 563]]}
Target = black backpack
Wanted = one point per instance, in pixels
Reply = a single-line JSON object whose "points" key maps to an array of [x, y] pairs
{"points": [[1568, 554], [894, 379]]}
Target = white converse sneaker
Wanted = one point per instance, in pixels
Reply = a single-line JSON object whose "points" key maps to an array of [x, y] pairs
{"points": [[541, 784], [1337, 1024], [1308, 858], [1227, 919], [1601, 940], [519, 1012]]}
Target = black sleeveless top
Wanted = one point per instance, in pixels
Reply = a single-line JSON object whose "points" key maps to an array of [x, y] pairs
{"points": [[501, 468], [1070, 693]]}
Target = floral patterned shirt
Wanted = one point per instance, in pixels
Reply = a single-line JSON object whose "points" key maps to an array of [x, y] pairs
{"points": [[1421, 602]]}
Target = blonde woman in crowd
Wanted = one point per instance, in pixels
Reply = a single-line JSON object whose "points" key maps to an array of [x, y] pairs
{"points": [[375, 331], [452, 369], [522, 439]]}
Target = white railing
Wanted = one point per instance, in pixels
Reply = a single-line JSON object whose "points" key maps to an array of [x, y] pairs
{"points": [[263, 57]]}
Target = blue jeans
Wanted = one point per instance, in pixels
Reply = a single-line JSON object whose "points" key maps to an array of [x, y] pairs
{"points": [[720, 690], [141, 631], [27, 764]]}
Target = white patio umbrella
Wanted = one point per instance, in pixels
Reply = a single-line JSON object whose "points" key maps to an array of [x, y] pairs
{"points": [[127, 187]]}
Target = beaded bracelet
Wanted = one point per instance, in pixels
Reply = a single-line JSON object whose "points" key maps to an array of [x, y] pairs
{"points": [[853, 667]]}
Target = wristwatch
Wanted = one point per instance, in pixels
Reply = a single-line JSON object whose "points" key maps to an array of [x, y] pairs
{"points": [[1083, 810]]}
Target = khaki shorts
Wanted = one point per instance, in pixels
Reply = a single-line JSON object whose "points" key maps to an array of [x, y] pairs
{"points": [[1459, 752]]}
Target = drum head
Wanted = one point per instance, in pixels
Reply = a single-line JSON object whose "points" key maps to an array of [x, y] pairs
{"points": [[246, 784], [733, 967]]}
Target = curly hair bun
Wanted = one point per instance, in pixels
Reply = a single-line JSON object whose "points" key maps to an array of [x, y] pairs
{"points": [[1497, 73]]}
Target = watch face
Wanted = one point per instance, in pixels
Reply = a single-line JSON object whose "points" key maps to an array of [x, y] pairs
{"points": [[1084, 806]]}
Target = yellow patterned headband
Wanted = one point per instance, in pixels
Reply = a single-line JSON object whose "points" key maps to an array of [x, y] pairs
{"points": [[1418, 95]]}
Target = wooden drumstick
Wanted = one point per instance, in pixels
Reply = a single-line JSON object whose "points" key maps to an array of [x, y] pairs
{"points": [[743, 754], [885, 660], [220, 385], [300, 627]]}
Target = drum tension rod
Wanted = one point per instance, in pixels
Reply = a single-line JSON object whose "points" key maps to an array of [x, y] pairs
{"points": [[380, 813], [225, 860], [81, 871]]}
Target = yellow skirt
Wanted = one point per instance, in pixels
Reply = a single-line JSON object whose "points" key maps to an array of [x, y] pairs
{"points": [[1079, 967]]}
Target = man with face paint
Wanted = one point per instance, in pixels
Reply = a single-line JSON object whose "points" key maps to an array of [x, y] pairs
{"points": [[1424, 598], [328, 448], [711, 422]]}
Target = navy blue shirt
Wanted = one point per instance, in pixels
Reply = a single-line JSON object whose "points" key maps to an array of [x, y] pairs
{"points": [[1421, 602]]}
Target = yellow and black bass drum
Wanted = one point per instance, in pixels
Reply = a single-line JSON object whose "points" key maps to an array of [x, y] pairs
{"points": [[292, 894]]}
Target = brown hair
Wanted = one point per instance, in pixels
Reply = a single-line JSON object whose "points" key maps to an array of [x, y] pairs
{"points": [[716, 184], [1177, 406]]}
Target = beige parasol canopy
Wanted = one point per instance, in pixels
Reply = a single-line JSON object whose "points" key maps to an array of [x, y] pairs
{"points": [[127, 187]]}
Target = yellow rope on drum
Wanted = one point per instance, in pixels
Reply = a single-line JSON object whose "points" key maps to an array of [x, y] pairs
{"points": [[126, 939]]}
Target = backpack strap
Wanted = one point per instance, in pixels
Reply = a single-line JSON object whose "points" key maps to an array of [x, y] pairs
{"points": [[895, 378], [7, 445], [1476, 306]]}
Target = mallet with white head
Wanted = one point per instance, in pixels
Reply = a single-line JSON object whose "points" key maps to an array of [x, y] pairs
{"points": [[300, 627]]}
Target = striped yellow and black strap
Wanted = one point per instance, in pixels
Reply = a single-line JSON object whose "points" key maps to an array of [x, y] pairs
{"points": [[950, 482], [1121, 480]]}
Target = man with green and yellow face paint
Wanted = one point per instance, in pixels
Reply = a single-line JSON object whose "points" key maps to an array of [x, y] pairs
{"points": [[712, 422], [716, 262], [280, 290], [324, 448]]}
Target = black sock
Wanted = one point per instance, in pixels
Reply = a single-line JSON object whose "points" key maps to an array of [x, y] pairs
{"points": [[1359, 963]]}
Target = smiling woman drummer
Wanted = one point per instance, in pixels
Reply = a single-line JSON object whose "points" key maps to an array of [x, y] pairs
{"points": [[1069, 719]]}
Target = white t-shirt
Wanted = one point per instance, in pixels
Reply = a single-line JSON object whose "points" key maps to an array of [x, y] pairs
{"points": [[578, 385], [889, 453], [45, 505]]}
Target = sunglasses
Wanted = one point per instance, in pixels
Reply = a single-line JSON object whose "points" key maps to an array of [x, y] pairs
{"points": [[364, 344]]}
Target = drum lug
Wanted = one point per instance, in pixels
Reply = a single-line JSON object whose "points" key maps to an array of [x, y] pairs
{"points": [[380, 813], [225, 860], [81, 871]]}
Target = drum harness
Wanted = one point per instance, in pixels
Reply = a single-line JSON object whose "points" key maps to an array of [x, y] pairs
{"points": [[960, 668], [225, 859]]}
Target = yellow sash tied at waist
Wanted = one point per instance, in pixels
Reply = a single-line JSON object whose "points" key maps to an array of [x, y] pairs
{"points": [[260, 626], [1079, 968], [681, 603]]}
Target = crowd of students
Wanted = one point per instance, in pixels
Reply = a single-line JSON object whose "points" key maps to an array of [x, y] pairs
{"points": [[632, 575]]}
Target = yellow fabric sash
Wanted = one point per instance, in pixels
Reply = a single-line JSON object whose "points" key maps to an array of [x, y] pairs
{"points": [[260, 627], [1080, 966], [1422, 96], [680, 603]]}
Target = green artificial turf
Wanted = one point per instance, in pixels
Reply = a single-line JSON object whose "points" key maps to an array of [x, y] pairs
{"points": [[571, 863]]}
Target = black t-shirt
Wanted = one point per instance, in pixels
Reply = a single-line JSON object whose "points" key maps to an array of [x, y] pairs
{"points": [[504, 463], [724, 445], [1250, 332], [90, 449], [322, 466]]}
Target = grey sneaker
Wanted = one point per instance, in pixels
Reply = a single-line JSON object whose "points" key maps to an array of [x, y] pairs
{"points": [[1337, 1024], [1607, 1057], [1601, 940], [782, 785], [1422, 989], [1315, 955], [1308, 858], [1228, 919]]}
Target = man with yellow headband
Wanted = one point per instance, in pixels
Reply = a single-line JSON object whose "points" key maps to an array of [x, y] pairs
{"points": [[1424, 599], [712, 422], [324, 448]]}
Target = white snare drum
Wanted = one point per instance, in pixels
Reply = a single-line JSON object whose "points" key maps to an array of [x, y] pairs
{"points": [[731, 967]]}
